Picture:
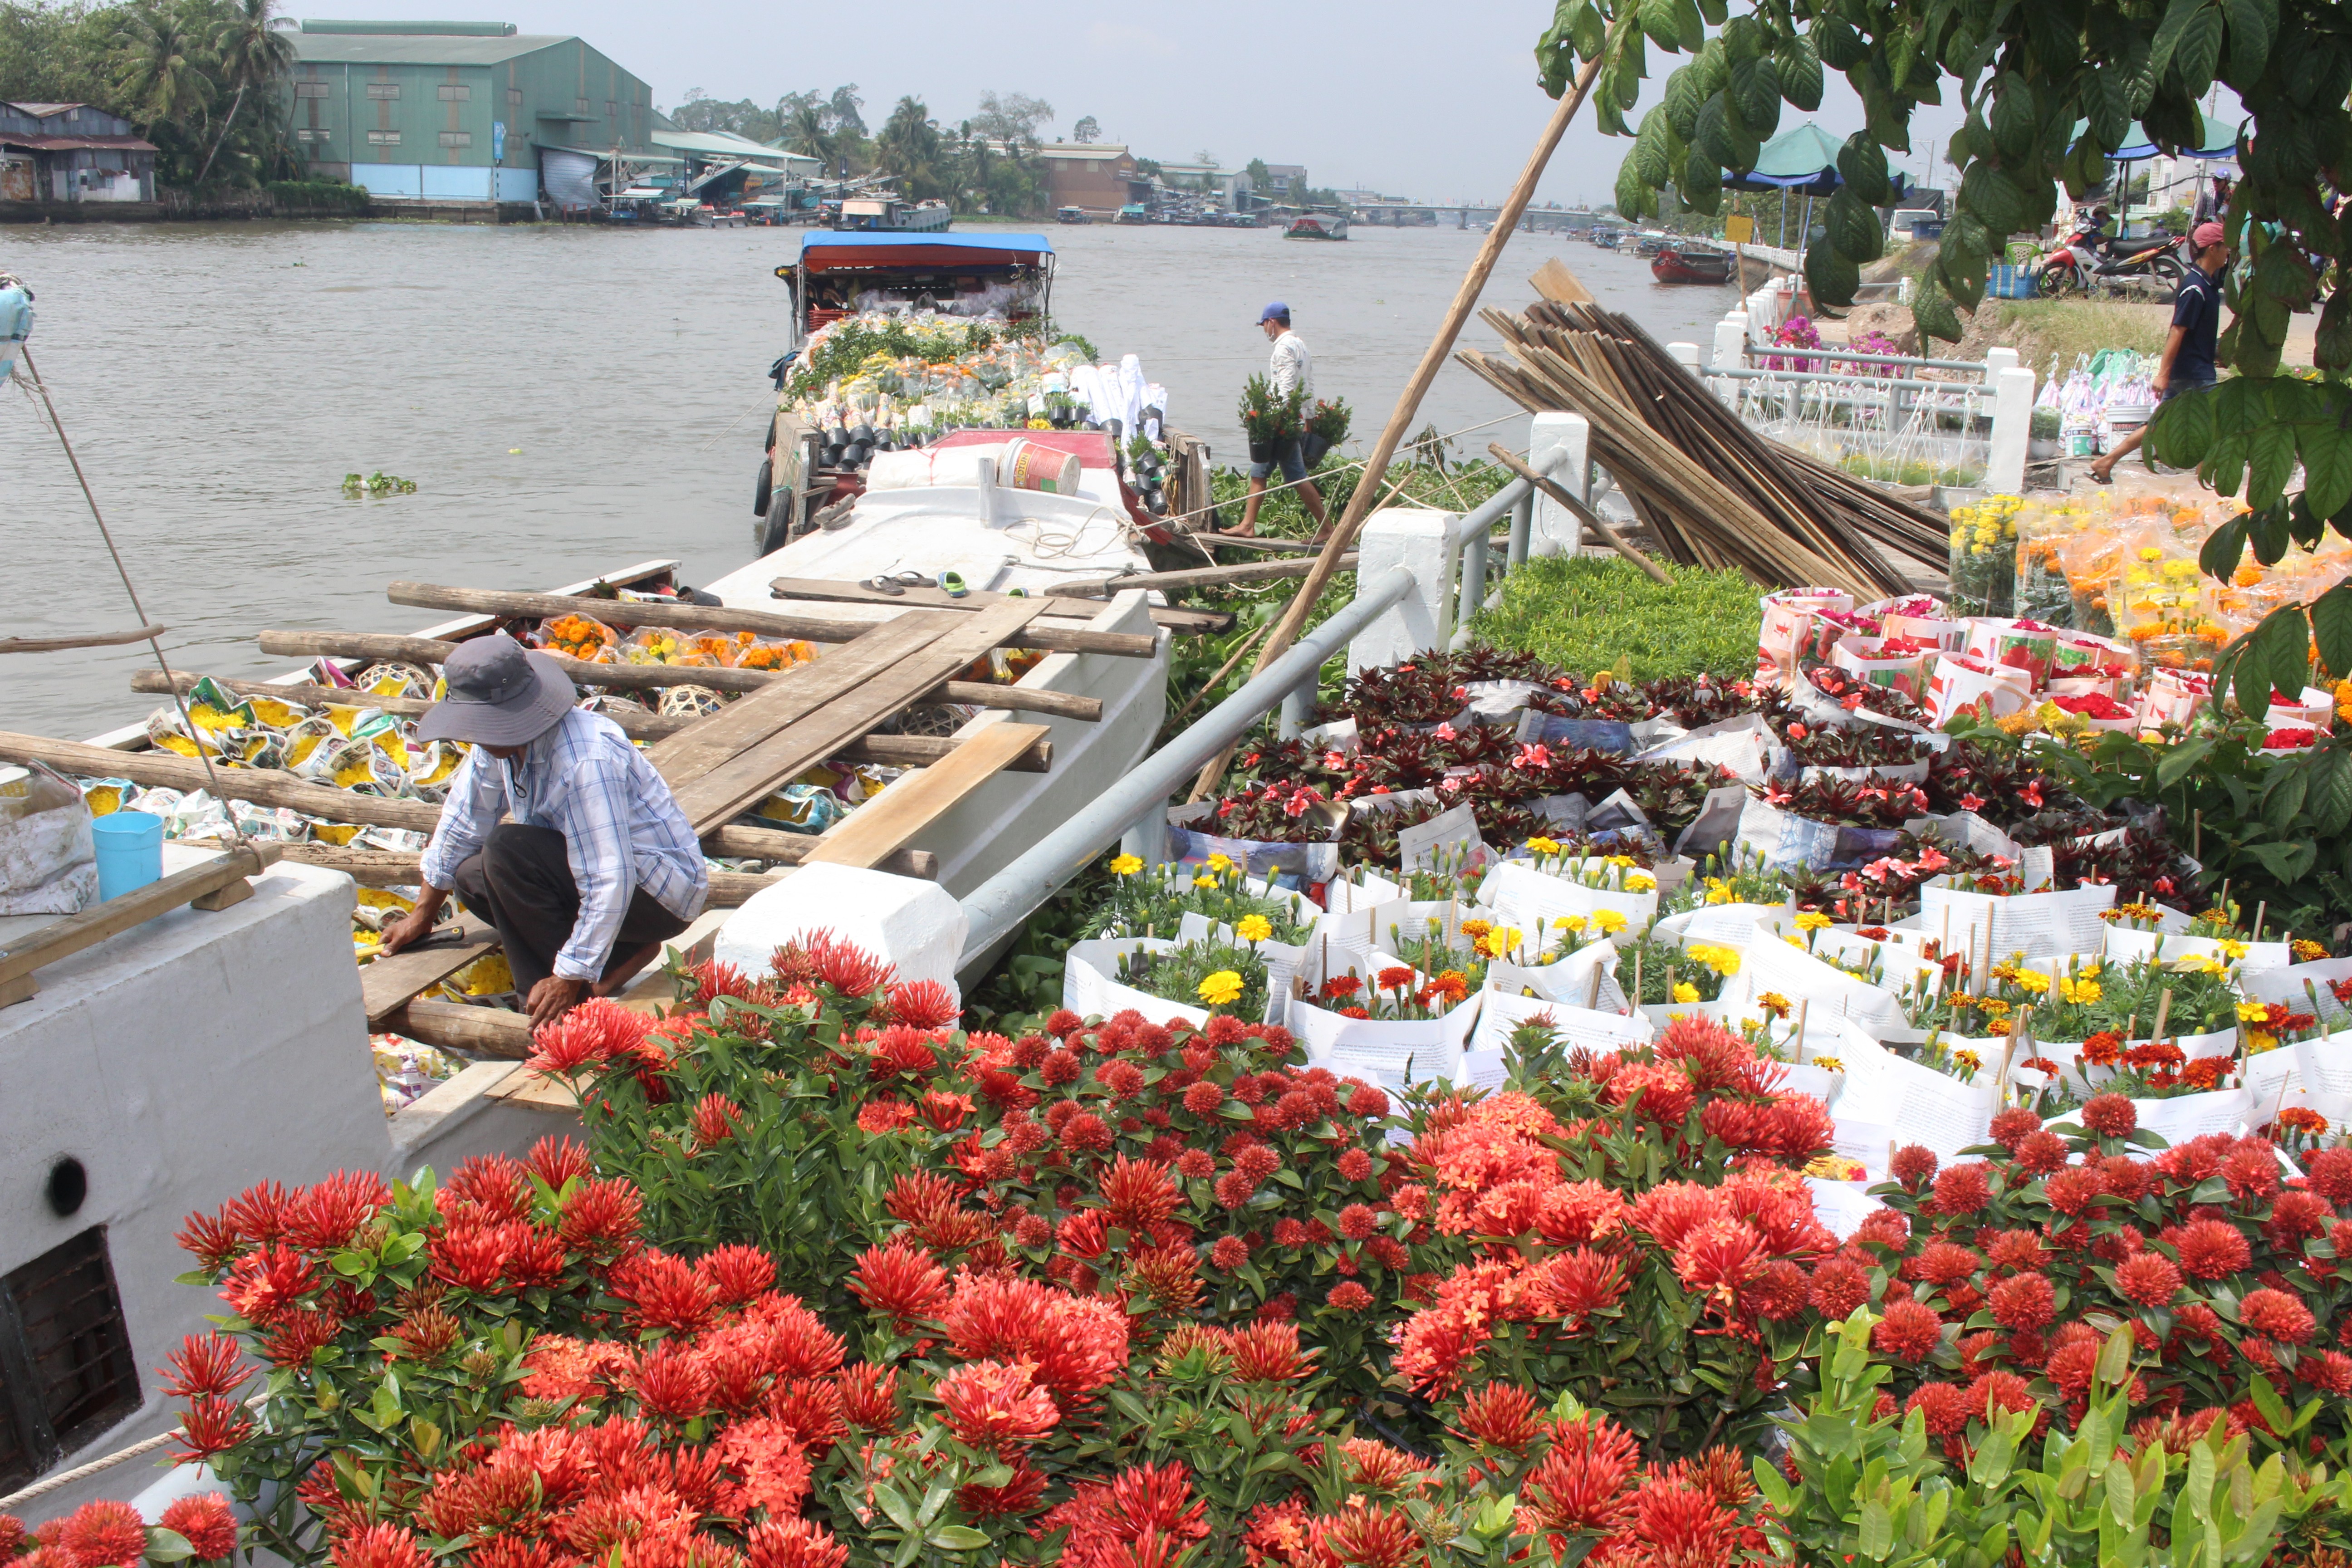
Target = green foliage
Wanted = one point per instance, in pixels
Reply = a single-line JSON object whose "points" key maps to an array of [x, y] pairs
{"points": [[852, 340], [315, 194], [1268, 415], [1875, 1491], [1594, 614], [2025, 76]]}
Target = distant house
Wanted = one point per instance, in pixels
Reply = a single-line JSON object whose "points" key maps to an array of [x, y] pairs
{"points": [[1285, 182], [1095, 176], [452, 111], [1223, 185], [72, 152]]}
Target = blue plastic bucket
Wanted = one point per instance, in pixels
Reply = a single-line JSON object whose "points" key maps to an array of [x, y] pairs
{"points": [[129, 851]]}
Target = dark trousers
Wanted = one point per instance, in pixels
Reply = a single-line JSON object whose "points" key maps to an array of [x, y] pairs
{"points": [[521, 883]]}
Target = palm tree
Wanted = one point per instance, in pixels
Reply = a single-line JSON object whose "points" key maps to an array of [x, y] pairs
{"points": [[804, 133], [158, 67], [252, 54]]}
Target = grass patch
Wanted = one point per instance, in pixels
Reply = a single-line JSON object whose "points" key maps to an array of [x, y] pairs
{"points": [[2037, 329], [1590, 615]]}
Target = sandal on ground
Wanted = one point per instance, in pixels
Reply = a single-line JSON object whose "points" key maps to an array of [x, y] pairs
{"points": [[951, 584], [884, 585]]}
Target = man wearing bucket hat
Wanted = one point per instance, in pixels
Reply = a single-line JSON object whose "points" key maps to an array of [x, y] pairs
{"points": [[2187, 364], [1293, 368], [596, 866]]}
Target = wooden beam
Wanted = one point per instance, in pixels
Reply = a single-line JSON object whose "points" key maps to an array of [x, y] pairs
{"points": [[638, 726], [1556, 283], [825, 590], [399, 868], [62, 939], [780, 849], [386, 984], [1583, 514], [698, 618], [1204, 576], [263, 786], [380, 645], [465, 1029], [887, 822], [89, 640]]}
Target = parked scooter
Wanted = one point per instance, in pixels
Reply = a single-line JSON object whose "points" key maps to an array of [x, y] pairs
{"points": [[2090, 259]]}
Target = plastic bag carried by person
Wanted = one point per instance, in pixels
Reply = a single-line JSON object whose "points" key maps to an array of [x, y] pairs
{"points": [[49, 863]]}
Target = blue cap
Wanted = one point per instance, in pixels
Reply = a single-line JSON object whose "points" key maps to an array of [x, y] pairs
{"points": [[1275, 311]]}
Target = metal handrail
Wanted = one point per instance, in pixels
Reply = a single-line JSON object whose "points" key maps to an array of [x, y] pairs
{"points": [[1755, 350], [1973, 388], [1005, 900]]}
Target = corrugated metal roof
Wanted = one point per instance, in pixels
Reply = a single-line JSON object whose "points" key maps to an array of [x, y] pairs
{"points": [[398, 49], [43, 111], [75, 143], [726, 144]]}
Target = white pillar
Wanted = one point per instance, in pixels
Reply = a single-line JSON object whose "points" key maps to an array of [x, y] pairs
{"points": [[1686, 355], [1556, 530], [1414, 540], [1731, 342], [1997, 360], [2012, 423]]}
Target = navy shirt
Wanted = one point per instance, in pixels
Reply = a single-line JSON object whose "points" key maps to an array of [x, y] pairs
{"points": [[2198, 308]]}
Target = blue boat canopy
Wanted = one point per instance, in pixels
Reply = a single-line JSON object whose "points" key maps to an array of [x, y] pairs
{"points": [[875, 238]]}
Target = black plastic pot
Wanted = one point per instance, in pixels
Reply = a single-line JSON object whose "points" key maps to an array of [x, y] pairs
{"points": [[856, 457], [1263, 451], [863, 436], [1311, 449]]}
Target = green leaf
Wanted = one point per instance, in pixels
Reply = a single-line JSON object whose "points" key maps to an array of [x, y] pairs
{"points": [[2253, 26], [2182, 760], [2012, 121], [1683, 97], [958, 1538], [2281, 648], [1875, 1536], [2176, 19], [2223, 547], [2270, 454], [2329, 799], [1834, 278], [1755, 94], [1801, 72], [2326, 448], [1657, 19], [167, 1545], [1854, 227], [1931, 309], [2199, 52], [2182, 432], [1862, 164]]}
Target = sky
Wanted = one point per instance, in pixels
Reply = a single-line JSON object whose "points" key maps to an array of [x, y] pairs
{"points": [[1432, 104]]}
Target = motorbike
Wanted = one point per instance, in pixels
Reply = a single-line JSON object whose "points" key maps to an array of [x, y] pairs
{"points": [[2089, 259]]}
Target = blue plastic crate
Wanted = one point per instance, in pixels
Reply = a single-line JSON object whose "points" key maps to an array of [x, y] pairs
{"points": [[2010, 283]]}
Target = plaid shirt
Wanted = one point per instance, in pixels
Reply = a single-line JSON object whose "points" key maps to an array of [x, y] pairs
{"points": [[622, 829]]}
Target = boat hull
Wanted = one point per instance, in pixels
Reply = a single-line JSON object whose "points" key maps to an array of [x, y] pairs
{"points": [[1702, 267], [1317, 228]]}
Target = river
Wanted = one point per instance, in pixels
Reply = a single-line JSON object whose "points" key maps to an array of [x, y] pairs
{"points": [[567, 401]]}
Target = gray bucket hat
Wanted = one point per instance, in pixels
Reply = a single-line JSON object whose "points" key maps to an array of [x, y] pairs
{"points": [[500, 694]]}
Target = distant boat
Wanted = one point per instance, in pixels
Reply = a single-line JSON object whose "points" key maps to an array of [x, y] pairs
{"points": [[1134, 211], [1691, 264], [1608, 239], [1651, 243], [864, 215], [1316, 225], [1071, 215]]}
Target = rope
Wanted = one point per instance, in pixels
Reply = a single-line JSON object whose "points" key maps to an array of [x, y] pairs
{"points": [[170, 681], [66, 1477]]}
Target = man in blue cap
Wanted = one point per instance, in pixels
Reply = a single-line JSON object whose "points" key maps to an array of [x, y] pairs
{"points": [[1293, 368]]}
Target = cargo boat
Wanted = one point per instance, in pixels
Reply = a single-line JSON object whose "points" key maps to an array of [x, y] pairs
{"points": [[1691, 264], [1316, 225]]}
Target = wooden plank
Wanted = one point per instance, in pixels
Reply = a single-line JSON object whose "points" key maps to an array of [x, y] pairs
{"points": [[780, 849], [387, 984], [62, 939], [638, 726], [263, 786], [698, 618], [885, 823], [657, 677], [825, 590], [399, 868], [723, 792], [794, 694], [1556, 283]]}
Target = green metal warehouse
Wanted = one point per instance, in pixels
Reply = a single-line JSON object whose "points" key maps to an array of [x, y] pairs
{"points": [[463, 111]]}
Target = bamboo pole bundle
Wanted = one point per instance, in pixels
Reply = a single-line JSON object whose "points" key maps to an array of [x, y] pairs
{"points": [[1715, 492]]}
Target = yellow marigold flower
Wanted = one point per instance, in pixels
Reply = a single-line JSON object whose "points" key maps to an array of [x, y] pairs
{"points": [[1684, 991], [1968, 1059], [1221, 989], [1204, 881], [1476, 928], [1608, 922], [1220, 863], [2081, 991], [2252, 1013], [1829, 1064], [1541, 846], [1253, 928], [2233, 948], [1572, 924], [2032, 982], [1813, 920], [2151, 552], [1127, 864], [1640, 881]]}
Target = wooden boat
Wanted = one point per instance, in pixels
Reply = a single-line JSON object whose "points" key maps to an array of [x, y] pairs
{"points": [[1316, 225], [1608, 239], [1650, 242], [891, 214], [1691, 264], [1071, 215]]}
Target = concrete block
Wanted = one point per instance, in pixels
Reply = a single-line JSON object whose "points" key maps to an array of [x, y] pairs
{"points": [[1685, 355], [1414, 540], [1731, 342], [2013, 424], [1556, 530], [917, 926]]}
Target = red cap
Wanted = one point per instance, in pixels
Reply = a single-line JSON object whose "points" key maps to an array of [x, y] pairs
{"points": [[2208, 234]]}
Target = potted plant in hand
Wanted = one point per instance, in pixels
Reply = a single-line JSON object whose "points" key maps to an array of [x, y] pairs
{"points": [[1269, 419], [1326, 428]]}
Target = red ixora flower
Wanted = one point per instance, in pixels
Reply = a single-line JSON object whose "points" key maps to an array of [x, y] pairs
{"points": [[2024, 1301], [1909, 1332], [2149, 1279], [2274, 1314], [204, 1521], [104, 1535], [993, 1405], [2109, 1116], [2213, 1249]]}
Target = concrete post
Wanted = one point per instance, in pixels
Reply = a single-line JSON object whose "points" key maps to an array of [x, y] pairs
{"points": [[1523, 519], [1557, 532], [2012, 423], [1731, 342], [1997, 360], [1414, 540], [1686, 355]]}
